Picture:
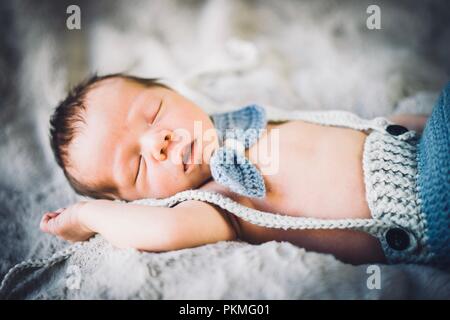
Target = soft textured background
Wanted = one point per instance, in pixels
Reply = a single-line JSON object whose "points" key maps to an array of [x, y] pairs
{"points": [[287, 54]]}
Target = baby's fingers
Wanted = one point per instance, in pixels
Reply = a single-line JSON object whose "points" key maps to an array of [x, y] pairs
{"points": [[43, 225], [48, 222]]}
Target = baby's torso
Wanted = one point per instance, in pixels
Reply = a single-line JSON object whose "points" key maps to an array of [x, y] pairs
{"points": [[310, 171]]}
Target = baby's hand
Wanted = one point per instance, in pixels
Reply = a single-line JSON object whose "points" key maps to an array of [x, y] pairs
{"points": [[66, 223]]}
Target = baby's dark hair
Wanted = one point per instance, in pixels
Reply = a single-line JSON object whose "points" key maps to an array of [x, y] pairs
{"points": [[66, 120]]}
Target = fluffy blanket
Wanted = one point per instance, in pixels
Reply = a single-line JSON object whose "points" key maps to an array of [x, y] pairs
{"points": [[292, 55]]}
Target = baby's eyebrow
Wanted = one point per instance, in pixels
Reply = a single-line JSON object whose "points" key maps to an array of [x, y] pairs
{"points": [[136, 102]]}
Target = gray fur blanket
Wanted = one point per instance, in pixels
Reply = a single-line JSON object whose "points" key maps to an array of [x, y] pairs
{"points": [[291, 55]]}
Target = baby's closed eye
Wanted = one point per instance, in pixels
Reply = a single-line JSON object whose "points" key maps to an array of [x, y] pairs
{"points": [[138, 170]]}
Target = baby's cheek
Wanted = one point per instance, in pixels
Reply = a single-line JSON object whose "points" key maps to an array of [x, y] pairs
{"points": [[164, 185]]}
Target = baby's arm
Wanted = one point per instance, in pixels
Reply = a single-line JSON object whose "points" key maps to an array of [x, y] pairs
{"points": [[190, 224]]}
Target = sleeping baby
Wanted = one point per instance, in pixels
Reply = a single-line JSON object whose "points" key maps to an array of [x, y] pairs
{"points": [[365, 191]]}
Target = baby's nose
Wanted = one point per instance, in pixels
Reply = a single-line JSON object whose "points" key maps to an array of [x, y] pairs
{"points": [[158, 143]]}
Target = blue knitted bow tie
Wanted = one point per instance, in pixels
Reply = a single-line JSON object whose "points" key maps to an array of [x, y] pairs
{"points": [[237, 131]]}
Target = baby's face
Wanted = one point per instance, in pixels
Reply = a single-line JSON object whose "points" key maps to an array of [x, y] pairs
{"points": [[134, 139]]}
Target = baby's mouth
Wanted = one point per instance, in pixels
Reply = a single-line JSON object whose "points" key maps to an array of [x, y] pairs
{"points": [[188, 156]]}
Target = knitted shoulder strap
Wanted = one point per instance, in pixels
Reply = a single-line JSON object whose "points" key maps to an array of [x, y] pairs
{"points": [[346, 119], [266, 219], [38, 263]]}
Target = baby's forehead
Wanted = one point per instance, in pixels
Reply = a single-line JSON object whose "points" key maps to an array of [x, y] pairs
{"points": [[107, 104], [109, 91], [118, 95]]}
